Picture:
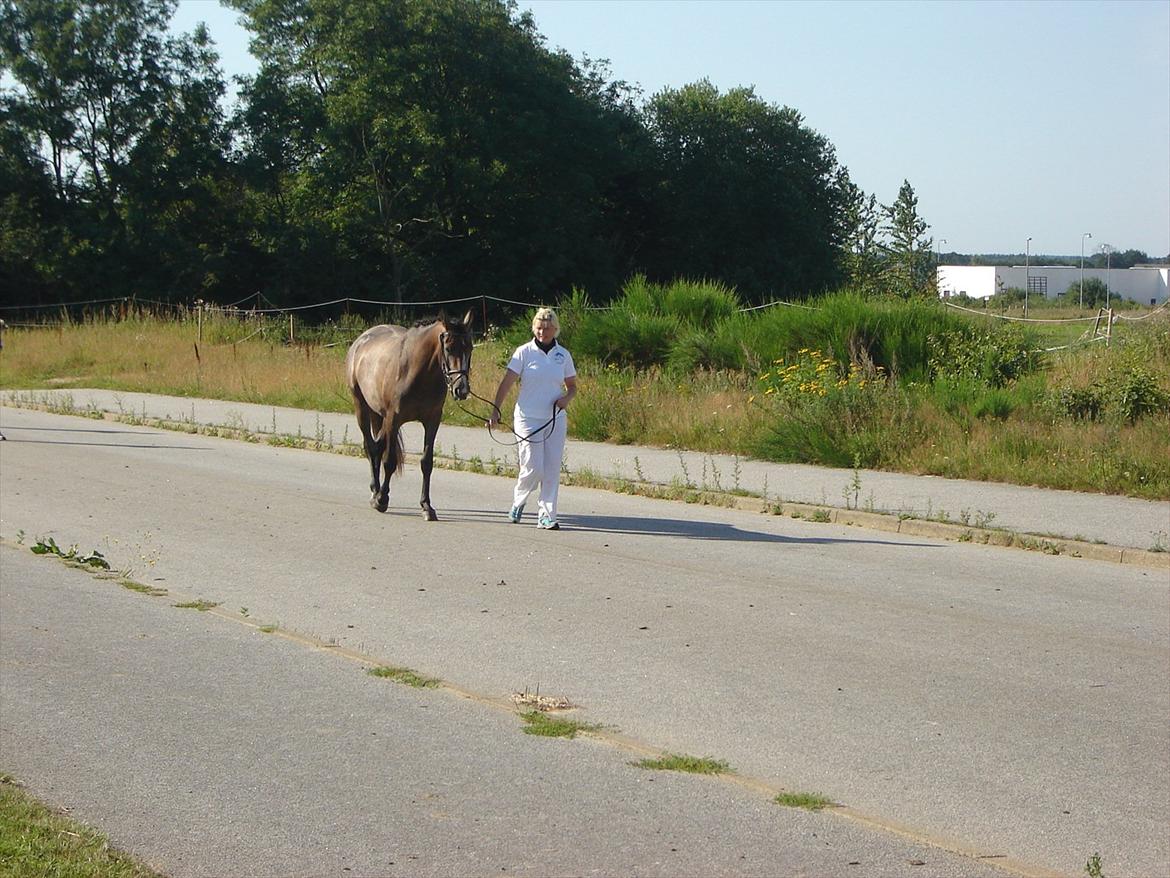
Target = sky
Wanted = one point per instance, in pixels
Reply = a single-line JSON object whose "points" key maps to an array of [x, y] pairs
{"points": [[1011, 120]]}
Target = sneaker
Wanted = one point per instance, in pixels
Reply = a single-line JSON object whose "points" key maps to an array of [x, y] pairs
{"points": [[515, 513], [547, 523]]}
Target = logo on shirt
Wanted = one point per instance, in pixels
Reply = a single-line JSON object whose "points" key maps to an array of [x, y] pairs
{"points": [[559, 357]]}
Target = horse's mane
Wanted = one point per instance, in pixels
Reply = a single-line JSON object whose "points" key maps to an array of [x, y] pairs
{"points": [[431, 321]]}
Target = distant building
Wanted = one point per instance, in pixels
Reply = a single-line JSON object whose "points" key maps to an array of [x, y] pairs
{"points": [[1145, 284]]}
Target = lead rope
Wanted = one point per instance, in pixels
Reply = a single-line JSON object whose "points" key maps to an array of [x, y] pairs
{"points": [[550, 422]]}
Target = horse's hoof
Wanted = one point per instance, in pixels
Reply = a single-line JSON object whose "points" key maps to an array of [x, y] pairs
{"points": [[379, 504], [429, 515]]}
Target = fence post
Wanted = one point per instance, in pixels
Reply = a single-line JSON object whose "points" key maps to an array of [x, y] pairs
{"points": [[199, 318], [291, 340]]}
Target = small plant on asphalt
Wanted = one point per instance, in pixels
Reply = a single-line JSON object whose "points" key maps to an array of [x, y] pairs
{"points": [[689, 764], [405, 676], [538, 723], [151, 590], [201, 605], [1093, 867], [807, 801], [48, 546]]}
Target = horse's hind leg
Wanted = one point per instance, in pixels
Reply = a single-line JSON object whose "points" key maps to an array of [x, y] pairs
{"points": [[370, 423], [391, 459], [430, 429], [375, 452]]}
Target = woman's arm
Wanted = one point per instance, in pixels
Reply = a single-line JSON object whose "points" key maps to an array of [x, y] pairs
{"points": [[506, 384], [570, 392]]}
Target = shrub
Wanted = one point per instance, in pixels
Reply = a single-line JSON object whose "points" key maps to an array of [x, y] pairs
{"points": [[626, 337], [700, 304], [1079, 403], [1137, 394], [828, 415], [992, 356]]}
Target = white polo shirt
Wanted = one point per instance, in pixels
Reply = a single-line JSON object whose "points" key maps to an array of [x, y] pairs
{"points": [[542, 379]]}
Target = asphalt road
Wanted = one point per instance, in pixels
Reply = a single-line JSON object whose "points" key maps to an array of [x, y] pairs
{"points": [[961, 702]]}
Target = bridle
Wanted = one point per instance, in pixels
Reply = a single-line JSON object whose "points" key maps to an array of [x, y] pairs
{"points": [[452, 376]]}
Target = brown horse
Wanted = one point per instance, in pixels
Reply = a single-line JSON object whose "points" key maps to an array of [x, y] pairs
{"points": [[397, 375]]}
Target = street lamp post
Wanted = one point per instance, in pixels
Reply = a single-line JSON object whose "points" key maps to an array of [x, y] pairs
{"points": [[1108, 276], [1085, 235], [937, 260], [1027, 273]]}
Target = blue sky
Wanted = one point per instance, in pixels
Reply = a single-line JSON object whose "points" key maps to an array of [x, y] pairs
{"points": [[1010, 119]]}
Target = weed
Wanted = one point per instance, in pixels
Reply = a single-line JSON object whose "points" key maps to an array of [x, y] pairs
{"points": [[48, 546], [808, 801], [201, 605], [151, 590], [405, 676], [853, 489], [268, 629], [821, 515], [690, 764], [1093, 866], [1159, 544], [539, 723]]}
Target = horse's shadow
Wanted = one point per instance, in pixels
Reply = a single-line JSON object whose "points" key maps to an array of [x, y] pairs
{"points": [[679, 528], [69, 431]]}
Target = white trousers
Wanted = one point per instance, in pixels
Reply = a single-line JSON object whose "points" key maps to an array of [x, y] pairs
{"points": [[540, 463]]}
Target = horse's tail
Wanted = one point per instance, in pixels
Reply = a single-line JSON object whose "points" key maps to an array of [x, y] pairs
{"points": [[399, 454]]}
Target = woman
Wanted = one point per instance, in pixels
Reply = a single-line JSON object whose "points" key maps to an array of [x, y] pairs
{"points": [[548, 383]]}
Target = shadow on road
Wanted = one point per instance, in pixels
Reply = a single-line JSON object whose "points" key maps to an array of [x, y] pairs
{"points": [[670, 527], [18, 440], [86, 430]]}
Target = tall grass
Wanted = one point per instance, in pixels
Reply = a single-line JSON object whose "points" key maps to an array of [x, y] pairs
{"points": [[901, 387]]}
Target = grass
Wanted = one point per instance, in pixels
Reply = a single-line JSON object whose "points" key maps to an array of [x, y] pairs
{"points": [[151, 590], [546, 726], [405, 676], [807, 801], [36, 841], [1083, 421], [201, 605], [689, 764]]}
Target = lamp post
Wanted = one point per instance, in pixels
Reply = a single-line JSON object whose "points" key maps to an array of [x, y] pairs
{"points": [[1027, 273], [937, 260], [1108, 276], [1085, 235]]}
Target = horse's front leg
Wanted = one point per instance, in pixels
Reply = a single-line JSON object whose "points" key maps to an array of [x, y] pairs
{"points": [[430, 430]]}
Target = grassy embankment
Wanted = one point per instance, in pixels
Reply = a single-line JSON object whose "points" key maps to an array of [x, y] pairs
{"points": [[909, 387], [36, 841]]}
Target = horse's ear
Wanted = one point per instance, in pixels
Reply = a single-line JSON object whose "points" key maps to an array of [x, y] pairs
{"points": [[442, 318], [467, 317]]}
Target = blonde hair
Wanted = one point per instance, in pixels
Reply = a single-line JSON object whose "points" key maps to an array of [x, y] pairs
{"points": [[547, 315]]}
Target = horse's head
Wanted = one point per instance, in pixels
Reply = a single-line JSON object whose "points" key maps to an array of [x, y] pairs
{"points": [[455, 343]]}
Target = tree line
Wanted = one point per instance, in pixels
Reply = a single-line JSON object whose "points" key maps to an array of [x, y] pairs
{"points": [[409, 150]]}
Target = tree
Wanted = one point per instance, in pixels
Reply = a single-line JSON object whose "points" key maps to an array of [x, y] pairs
{"points": [[126, 123], [747, 193], [1094, 293], [446, 149], [863, 259], [909, 269]]}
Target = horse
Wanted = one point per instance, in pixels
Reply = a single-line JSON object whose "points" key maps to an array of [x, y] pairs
{"points": [[398, 374]]}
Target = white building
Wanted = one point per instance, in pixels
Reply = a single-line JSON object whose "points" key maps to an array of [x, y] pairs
{"points": [[1146, 284]]}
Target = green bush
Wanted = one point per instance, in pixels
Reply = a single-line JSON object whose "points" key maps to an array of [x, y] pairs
{"points": [[992, 356], [700, 304], [1137, 394], [625, 337], [1079, 403]]}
